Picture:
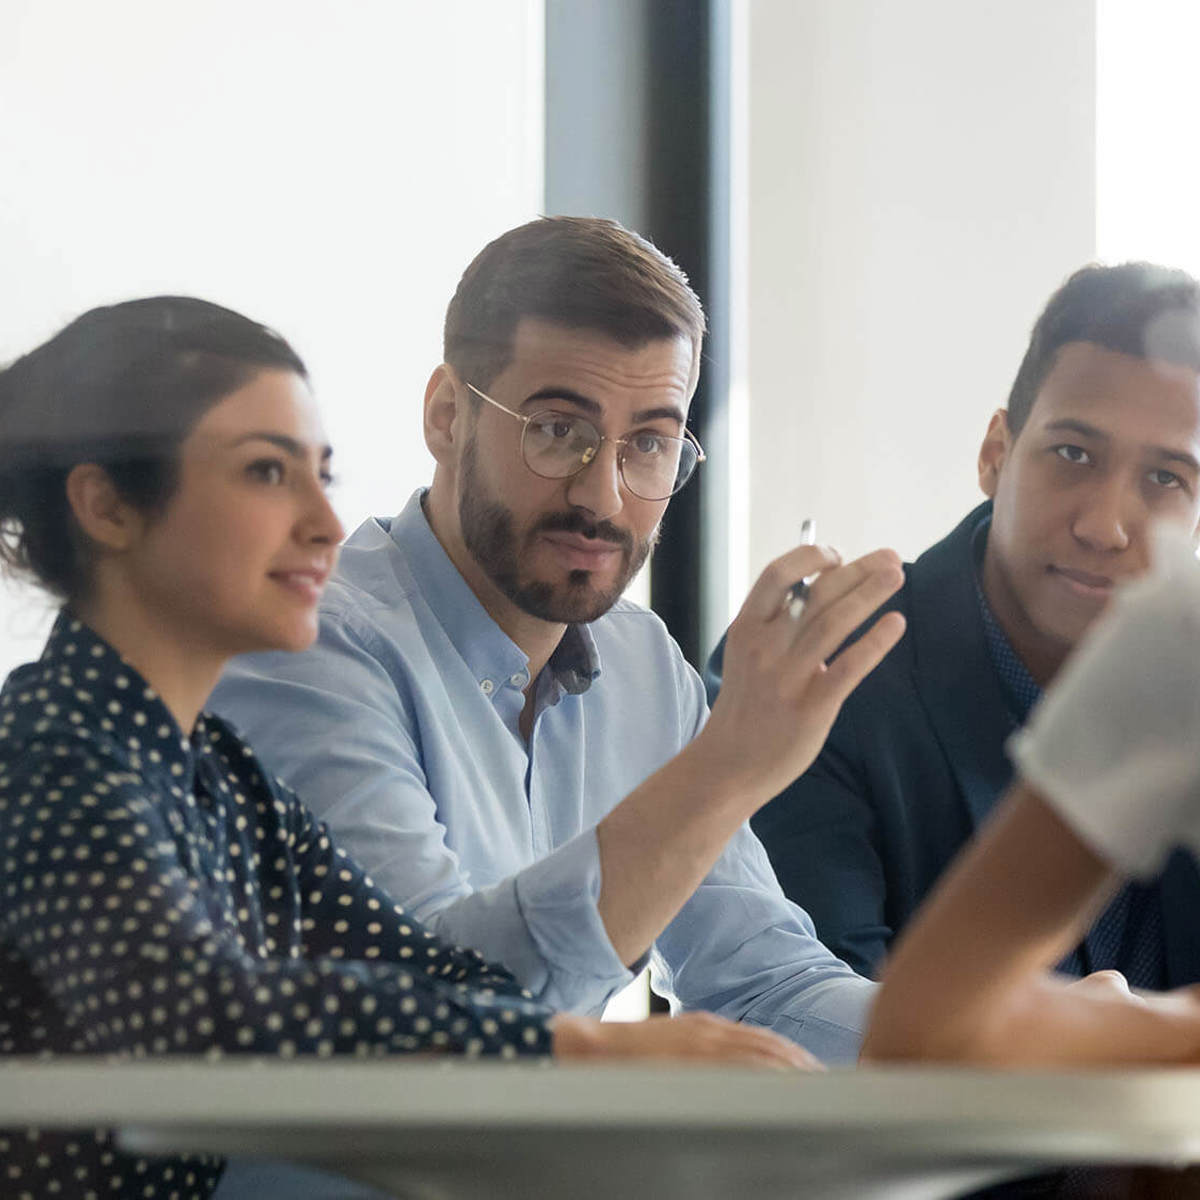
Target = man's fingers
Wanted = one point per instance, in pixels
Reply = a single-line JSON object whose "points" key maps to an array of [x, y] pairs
{"points": [[856, 662], [828, 629], [766, 597], [835, 584]]}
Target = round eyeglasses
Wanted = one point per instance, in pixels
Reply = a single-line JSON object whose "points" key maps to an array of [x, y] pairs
{"points": [[557, 445]]}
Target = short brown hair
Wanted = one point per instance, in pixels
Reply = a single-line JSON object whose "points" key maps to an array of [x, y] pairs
{"points": [[578, 272]]}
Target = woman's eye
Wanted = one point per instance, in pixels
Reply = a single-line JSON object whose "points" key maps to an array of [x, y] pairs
{"points": [[267, 470], [1073, 454]]}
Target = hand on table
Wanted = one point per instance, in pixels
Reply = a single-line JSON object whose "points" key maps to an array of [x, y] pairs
{"points": [[691, 1037]]}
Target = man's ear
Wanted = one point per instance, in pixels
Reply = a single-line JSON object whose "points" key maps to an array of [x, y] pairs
{"points": [[993, 454], [109, 522], [445, 409]]}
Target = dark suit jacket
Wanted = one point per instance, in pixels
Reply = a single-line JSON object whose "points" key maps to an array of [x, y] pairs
{"points": [[912, 766]]}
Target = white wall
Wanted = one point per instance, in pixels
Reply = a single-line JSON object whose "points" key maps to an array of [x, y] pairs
{"points": [[921, 177], [327, 168]]}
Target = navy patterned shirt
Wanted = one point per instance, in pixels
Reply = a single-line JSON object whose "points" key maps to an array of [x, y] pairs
{"points": [[160, 894]]}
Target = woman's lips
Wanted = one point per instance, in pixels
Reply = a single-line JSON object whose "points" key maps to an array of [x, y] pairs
{"points": [[307, 583]]}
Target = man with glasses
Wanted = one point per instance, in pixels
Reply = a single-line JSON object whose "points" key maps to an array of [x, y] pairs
{"points": [[513, 750]]}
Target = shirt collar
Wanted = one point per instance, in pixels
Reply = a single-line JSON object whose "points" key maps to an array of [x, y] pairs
{"points": [[1020, 688], [575, 662], [90, 672], [487, 650]]}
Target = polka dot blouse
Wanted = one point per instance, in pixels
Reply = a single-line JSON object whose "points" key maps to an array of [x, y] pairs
{"points": [[160, 894]]}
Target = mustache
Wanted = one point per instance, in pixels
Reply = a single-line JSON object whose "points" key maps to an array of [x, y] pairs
{"points": [[573, 522]]}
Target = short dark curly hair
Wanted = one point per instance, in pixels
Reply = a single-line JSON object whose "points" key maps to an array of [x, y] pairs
{"points": [[1135, 308]]}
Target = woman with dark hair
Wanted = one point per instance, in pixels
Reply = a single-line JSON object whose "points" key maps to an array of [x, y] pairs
{"points": [[162, 473]]}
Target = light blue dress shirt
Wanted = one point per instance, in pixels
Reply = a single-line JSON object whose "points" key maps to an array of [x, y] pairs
{"points": [[400, 729]]}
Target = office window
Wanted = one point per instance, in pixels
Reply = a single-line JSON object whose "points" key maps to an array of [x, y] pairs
{"points": [[1147, 171]]}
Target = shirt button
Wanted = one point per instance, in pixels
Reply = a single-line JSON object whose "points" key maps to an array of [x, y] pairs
{"points": [[519, 680], [487, 687]]}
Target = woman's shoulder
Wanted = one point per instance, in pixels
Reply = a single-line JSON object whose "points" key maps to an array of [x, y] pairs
{"points": [[40, 702]]}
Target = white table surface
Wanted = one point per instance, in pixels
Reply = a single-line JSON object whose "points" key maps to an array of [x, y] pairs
{"points": [[458, 1131]]}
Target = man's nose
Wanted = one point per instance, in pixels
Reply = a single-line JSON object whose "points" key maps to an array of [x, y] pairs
{"points": [[1107, 515], [597, 488]]}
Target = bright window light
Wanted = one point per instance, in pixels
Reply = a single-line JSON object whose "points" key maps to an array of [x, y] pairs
{"points": [[1147, 168]]}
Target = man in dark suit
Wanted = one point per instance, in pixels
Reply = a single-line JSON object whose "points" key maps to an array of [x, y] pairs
{"points": [[1101, 438]]}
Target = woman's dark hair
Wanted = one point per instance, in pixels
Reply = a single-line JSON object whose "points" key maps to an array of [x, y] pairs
{"points": [[120, 386]]}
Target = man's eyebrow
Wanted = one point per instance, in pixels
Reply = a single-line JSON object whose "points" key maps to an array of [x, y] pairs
{"points": [[1071, 425], [589, 406], [1177, 456], [290, 445], [667, 412]]}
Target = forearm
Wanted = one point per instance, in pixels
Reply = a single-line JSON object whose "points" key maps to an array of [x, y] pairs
{"points": [[658, 844], [1050, 1021], [968, 980], [784, 681]]}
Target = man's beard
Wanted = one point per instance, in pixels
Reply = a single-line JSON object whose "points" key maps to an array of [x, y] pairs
{"points": [[489, 533]]}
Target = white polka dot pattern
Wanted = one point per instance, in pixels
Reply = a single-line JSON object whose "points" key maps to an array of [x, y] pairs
{"points": [[161, 895]]}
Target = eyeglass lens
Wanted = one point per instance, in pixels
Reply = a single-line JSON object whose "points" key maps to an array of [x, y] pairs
{"points": [[653, 465]]}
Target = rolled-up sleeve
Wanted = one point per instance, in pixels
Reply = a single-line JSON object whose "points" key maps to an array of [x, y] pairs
{"points": [[740, 948], [544, 925]]}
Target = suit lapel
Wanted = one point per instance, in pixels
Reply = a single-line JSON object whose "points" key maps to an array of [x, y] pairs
{"points": [[954, 674]]}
